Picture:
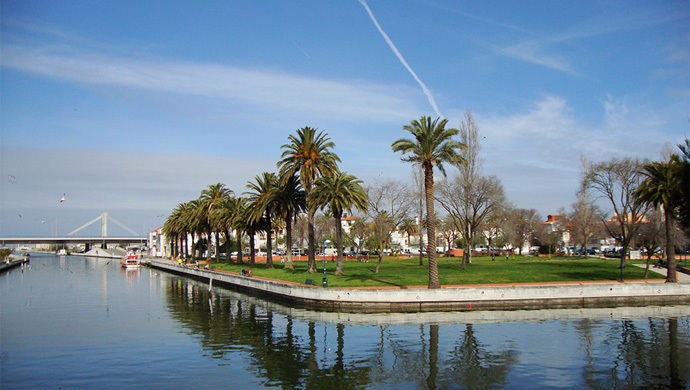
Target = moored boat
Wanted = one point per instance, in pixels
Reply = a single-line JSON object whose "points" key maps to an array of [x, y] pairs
{"points": [[131, 261]]}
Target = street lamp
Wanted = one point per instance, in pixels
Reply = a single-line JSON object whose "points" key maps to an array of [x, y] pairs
{"points": [[325, 280]]}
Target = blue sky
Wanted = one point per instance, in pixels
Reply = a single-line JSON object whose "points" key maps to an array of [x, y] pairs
{"points": [[132, 107]]}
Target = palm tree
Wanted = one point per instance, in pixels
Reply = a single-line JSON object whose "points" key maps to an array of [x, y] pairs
{"points": [[340, 192], [173, 228], [222, 219], [661, 188], [211, 198], [290, 201], [239, 223], [262, 198], [408, 226], [431, 146], [248, 224], [308, 155]]}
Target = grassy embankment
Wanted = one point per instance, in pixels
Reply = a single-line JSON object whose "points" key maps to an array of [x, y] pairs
{"points": [[408, 272]]}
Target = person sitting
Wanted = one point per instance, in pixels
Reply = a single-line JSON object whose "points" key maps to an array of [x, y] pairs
{"points": [[249, 272], [244, 272]]}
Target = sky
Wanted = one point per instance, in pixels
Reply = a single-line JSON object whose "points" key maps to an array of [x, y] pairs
{"points": [[131, 107]]}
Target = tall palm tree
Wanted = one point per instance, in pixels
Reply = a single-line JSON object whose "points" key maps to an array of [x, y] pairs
{"points": [[197, 225], [262, 199], [309, 156], [661, 188], [290, 201], [211, 198], [239, 223], [431, 145], [222, 218], [340, 192], [173, 228]]}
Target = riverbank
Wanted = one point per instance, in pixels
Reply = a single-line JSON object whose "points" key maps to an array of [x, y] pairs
{"points": [[13, 261], [507, 296]]}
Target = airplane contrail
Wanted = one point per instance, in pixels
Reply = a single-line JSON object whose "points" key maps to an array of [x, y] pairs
{"points": [[428, 94]]}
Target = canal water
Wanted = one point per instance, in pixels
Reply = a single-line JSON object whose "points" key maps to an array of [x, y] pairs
{"points": [[75, 322]]}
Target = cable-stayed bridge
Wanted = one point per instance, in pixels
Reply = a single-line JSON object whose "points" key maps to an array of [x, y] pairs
{"points": [[104, 239]]}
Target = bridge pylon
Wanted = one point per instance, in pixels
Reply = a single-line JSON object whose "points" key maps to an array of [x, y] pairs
{"points": [[104, 225]]}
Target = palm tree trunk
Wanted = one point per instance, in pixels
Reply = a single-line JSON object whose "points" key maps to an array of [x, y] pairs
{"points": [[670, 247], [431, 225], [228, 250], [421, 253], [217, 246], [269, 246], [239, 247], [339, 244], [311, 265], [252, 252], [209, 234], [288, 231]]}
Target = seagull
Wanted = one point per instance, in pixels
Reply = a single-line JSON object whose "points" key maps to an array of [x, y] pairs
{"points": [[63, 198], [12, 178], [19, 215]]}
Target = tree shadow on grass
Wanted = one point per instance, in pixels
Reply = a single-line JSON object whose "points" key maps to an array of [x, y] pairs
{"points": [[363, 279]]}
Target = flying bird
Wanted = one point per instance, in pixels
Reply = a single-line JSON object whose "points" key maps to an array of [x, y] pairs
{"points": [[63, 198], [12, 178]]}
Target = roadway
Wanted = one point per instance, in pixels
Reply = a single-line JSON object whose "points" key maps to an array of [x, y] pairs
{"points": [[72, 240]]}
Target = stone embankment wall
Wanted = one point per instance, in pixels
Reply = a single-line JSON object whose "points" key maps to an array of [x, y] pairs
{"points": [[478, 297]]}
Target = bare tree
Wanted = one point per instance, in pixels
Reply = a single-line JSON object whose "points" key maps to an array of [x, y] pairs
{"points": [[300, 232], [522, 226], [359, 233], [493, 225], [651, 234], [449, 231], [617, 180], [584, 220], [389, 205], [470, 197], [391, 196]]}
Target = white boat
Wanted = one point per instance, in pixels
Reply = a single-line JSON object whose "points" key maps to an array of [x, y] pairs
{"points": [[131, 261], [61, 252]]}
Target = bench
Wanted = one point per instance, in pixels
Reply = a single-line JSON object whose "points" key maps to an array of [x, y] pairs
{"points": [[309, 282]]}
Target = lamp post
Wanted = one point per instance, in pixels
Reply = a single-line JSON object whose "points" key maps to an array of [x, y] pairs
{"points": [[325, 279]]}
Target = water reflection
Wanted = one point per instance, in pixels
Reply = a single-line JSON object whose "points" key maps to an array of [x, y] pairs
{"points": [[295, 348]]}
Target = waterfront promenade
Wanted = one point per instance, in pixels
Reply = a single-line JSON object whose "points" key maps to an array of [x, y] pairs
{"points": [[511, 296]]}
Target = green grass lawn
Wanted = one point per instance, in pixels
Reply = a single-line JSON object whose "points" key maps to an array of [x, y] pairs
{"points": [[408, 272]]}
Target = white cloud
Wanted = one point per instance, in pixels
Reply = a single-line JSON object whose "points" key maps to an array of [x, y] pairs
{"points": [[343, 99], [534, 52], [550, 118]]}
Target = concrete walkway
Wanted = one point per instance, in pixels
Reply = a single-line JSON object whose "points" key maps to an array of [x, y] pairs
{"points": [[682, 278]]}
